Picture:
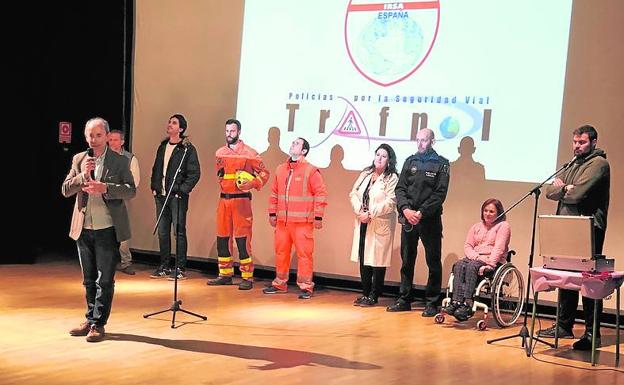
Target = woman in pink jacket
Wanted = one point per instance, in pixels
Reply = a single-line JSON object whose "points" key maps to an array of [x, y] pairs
{"points": [[487, 244]]}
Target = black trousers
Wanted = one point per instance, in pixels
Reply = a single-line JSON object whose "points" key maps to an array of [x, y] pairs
{"points": [[174, 212], [568, 299], [372, 277], [430, 231]]}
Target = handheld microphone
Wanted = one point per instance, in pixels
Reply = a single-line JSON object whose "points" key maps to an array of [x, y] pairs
{"points": [[91, 154]]}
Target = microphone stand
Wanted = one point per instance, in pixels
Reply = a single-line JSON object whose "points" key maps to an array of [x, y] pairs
{"points": [[175, 306], [524, 331]]}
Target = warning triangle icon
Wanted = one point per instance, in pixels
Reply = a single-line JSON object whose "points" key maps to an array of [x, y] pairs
{"points": [[349, 125]]}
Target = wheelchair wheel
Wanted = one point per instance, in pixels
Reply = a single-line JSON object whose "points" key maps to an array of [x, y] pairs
{"points": [[507, 295], [482, 325], [439, 318]]}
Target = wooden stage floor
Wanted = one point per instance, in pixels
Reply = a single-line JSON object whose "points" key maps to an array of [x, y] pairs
{"points": [[251, 338]]}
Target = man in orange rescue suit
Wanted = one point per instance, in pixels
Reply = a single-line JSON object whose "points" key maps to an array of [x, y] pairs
{"points": [[239, 169], [296, 205]]}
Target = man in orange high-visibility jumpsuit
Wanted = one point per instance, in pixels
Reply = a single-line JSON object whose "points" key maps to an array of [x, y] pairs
{"points": [[296, 206], [239, 169]]}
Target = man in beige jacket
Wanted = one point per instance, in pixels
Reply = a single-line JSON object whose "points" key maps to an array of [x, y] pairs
{"points": [[101, 180]]}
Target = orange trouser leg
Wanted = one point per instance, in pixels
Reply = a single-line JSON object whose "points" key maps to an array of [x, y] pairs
{"points": [[242, 219], [283, 246], [224, 237], [304, 246]]}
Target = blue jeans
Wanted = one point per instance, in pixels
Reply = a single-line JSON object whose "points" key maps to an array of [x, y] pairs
{"points": [[98, 251], [169, 218]]}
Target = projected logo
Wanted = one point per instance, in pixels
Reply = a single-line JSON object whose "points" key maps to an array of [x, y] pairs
{"points": [[388, 42], [448, 121]]}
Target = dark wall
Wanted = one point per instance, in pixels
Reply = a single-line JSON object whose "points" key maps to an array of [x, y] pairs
{"points": [[74, 64]]}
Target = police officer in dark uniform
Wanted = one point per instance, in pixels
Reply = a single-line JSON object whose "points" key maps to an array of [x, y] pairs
{"points": [[420, 192]]}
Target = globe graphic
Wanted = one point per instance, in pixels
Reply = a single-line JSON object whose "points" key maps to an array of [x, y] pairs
{"points": [[390, 46], [449, 127]]}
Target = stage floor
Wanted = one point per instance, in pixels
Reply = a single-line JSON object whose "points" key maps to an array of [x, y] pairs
{"points": [[251, 338]]}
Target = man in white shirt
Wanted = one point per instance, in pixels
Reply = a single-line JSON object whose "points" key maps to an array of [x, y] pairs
{"points": [[115, 143]]}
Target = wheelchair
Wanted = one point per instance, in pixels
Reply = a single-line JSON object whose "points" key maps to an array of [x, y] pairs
{"points": [[502, 288]]}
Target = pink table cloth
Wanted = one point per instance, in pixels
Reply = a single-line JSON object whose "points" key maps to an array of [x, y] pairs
{"points": [[591, 285]]}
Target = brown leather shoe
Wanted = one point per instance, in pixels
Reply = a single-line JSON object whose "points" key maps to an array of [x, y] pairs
{"points": [[81, 330], [96, 334]]}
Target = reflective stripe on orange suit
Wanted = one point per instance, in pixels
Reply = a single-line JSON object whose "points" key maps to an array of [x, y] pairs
{"points": [[298, 195], [234, 216]]}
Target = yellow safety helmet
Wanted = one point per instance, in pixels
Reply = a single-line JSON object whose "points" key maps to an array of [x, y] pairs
{"points": [[243, 177]]}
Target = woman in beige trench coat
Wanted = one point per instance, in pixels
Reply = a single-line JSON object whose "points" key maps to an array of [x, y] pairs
{"points": [[374, 205]]}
